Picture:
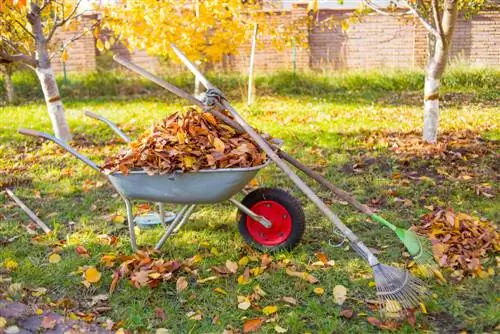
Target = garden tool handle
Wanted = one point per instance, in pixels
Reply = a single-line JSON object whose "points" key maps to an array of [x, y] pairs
{"points": [[112, 125], [30, 132], [61, 143]]}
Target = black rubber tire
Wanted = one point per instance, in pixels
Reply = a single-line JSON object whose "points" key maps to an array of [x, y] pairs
{"points": [[291, 204]]}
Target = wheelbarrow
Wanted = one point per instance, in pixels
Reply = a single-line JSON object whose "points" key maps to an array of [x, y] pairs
{"points": [[269, 218]]}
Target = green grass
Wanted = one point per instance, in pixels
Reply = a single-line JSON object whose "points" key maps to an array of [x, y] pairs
{"points": [[325, 121]]}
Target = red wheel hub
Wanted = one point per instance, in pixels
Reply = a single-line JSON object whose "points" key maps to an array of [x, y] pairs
{"points": [[281, 221]]}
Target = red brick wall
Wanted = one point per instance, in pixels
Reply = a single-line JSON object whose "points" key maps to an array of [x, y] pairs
{"points": [[375, 42]]}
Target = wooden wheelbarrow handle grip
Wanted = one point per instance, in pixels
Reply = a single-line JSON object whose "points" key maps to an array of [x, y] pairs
{"points": [[30, 132]]}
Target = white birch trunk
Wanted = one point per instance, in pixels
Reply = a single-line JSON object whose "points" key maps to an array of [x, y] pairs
{"points": [[9, 86], [431, 109], [54, 103], [436, 68]]}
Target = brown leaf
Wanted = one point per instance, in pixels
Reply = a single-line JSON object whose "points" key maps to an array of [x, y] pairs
{"points": [[252, 325], [347, 313], [374, 321], [181, 284], [82, 251], [48, 322], [160, 313]]}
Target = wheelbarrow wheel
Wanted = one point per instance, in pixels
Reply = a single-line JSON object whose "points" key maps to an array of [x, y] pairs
{"points": [[282, 210]]}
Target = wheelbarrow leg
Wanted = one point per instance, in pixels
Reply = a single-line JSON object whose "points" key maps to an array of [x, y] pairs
{"points": [[162, 214], [185, 218], [172, 226], [130, 218]]}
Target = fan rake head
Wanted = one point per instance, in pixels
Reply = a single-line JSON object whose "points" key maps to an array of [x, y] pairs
{"points": [[396, 286]]}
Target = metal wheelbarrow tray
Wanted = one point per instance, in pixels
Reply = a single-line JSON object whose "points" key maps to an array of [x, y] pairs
{"points": [[200, 187]]}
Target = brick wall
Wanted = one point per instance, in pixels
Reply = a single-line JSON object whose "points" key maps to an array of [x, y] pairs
{"points": [[375, 42], [81, 53]]}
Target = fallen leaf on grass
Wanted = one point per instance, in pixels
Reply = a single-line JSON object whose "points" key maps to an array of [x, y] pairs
{"points": [[304, 275], [339, 294], [48, 322], [258, 290], [160, 313], [279, 329], [181, 284], [252, 325], [3, 322], [208, 279], [221, 291], [347, 313], [289, 300], [92, 275], [232, 266], [374, 321], [54, 258], [243, 303], [270, 309], [82, 251], [10, 264], [319, 291]]}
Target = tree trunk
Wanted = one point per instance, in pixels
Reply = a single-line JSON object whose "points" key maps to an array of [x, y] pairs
{"points": [[9, 86], [46, 76], [54, 104], [435, 70]]}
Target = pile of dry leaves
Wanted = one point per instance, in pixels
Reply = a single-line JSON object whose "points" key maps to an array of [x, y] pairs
{"points": [[461, 242], [187, 141]]}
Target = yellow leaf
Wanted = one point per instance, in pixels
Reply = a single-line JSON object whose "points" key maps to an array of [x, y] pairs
{"points": [[154, 275], [243, 280], [39, 311], [270, 309], [64, 55], [258, 290], [119, 219], [10, 264], [319, 291], [188, 161], [214, 251], [3, 322], [221, 291], [423, 308], [392, 306], [339, 294], [243, 261], [219, 145], [54, 258], [371, 284], [439, 275], [211, 278], [92, 275]]}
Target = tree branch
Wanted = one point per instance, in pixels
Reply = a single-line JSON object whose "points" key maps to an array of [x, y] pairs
{"points": [[18, 58], [63, 21], [77, 37], [422, 20], [437, 21], [25, 29]]}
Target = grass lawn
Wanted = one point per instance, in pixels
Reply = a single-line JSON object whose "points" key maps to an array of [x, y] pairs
{"points": [[360, 138]]}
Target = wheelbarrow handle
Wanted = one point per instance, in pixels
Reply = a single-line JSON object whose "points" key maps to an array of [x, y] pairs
{"points": [[112, 125], [34, 133]]}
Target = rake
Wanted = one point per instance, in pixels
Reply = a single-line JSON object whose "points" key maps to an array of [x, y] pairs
{"points": [[392, 284], [417, 245]]}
